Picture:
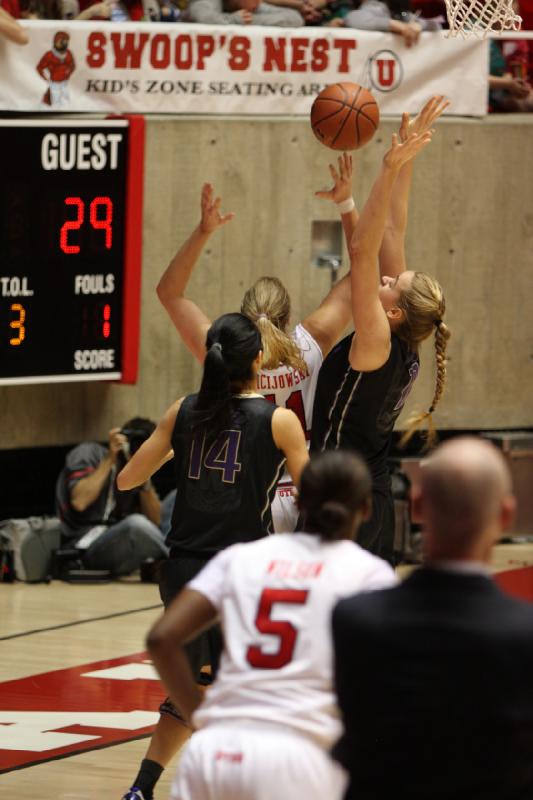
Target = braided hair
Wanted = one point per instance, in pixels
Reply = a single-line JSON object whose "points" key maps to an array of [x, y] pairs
{"points": [[423, 307]]}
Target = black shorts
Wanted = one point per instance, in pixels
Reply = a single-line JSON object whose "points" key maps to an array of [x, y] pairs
{"points": [[174, 574]]}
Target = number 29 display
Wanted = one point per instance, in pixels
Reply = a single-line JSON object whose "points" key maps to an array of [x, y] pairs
{"points": [[70, 250]]}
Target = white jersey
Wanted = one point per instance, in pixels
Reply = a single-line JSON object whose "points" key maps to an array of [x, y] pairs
{"points": [[275, 598], [292, 388]]}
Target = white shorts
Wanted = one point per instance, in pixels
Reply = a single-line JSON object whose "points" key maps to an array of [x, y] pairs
{"points": [[248, 761], [284, 509]]}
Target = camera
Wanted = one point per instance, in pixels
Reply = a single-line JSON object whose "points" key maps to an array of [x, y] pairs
{"points": [[136, 431]]}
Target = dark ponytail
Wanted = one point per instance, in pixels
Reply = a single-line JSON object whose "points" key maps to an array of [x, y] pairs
{"points": [[335, 487], [233, 342]]}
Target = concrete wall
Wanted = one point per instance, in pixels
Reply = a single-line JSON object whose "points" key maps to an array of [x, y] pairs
{"points": [[471, 225]]}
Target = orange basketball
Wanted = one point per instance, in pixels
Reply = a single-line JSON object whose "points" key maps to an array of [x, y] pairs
{"points": [[344, 116]]}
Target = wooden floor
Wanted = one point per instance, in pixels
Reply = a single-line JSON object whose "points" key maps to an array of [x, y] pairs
{"points": [[105, 773], [59, 626]]}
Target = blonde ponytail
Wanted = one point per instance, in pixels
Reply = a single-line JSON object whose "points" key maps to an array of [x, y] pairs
{"points": [[415, 421], [268, 304]]}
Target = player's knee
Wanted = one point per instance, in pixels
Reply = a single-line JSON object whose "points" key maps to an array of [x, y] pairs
{"points": [[140, 523]]}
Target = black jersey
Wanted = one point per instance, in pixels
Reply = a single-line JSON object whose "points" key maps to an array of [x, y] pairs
{"points": [[224, 487], [357, 410]]}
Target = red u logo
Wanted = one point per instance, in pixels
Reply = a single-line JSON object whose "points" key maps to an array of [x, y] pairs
{"points": [[386, 71]]}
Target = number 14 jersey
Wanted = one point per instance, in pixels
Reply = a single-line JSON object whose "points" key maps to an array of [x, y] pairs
{"points": [[225, 487], [275, 598]]}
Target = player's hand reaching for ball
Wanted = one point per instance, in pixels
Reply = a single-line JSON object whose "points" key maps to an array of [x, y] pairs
{"points": [[342, 180], [211, 216], [425, 119], [400, 153]]}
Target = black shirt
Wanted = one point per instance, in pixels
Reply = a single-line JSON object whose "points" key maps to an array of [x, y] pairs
{"points": [[225, 487], [357, 410], [81, 462]]}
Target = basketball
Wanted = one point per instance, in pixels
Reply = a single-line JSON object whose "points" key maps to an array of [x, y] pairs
{"points": [[344, 116]]}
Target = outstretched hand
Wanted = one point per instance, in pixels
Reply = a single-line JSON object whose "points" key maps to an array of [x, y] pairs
{"points": [[400, 153], [423, 122], [211, 216], [342, 180]]}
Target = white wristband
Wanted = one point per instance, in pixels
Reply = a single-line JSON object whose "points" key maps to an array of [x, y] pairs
{"points": [[346, 206]]}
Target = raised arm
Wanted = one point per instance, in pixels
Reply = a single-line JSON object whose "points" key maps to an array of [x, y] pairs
{"points": [[327, 323], [371, 344], [392, 254], [152, 454], [189, 320]]}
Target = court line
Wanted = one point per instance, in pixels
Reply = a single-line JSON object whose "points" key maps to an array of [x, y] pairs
{"points": [[79, 622], [72, 755]]}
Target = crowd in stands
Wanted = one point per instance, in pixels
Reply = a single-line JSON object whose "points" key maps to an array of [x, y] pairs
{"points": [[511, 62], [407, 19]]}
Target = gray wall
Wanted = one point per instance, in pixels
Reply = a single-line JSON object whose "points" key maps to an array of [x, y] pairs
{"points": [[471, 226]]}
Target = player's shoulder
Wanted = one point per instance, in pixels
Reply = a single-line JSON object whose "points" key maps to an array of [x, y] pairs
{"points": [[307, 344], [279, 545], [362, 570]]}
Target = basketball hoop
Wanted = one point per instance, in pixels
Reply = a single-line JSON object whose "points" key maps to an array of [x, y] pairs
{"points": [[478, 17]]}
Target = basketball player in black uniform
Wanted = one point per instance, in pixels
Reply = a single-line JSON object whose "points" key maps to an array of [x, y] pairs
{"points": [[230, 445], [364, 381]]}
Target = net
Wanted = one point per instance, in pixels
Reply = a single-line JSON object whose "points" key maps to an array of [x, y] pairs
{"points": [[477, 18]]}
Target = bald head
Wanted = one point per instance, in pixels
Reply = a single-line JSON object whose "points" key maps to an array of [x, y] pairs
{"points": [[465, 494]]}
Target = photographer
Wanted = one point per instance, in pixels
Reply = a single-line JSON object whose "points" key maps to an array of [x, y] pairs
{"points": [[114, 530]]}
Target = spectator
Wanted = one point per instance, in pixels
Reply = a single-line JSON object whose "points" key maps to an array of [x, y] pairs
{"points": [[437, 672], [118, 10], [394, 16], [509, 87], [507, 92], [244, 12], [116, 530], [9, 27]]}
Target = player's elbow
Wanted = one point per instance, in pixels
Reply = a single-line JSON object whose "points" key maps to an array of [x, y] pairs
{"points": [[163, 293], [155, 640], [124, 482], [161, 639]]}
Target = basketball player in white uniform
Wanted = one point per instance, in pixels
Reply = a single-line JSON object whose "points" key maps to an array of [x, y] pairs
{"points": [[294, 388], [291, 360], [270, 718]]}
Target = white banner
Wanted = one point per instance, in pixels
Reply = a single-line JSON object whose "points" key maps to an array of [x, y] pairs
{"points": [[199, 69]]}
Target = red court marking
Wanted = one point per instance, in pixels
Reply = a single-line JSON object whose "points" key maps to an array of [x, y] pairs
{"points": [[109, 710], [517, 582]]}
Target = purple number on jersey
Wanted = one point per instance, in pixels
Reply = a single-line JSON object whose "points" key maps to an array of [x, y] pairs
{"points": [[222, 455]]}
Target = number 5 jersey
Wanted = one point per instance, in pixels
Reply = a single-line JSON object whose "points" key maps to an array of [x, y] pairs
{"points": [[275, 600], [224, 486]]}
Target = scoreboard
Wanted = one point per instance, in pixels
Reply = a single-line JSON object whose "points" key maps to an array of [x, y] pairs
{"points": [[70, 249]]}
